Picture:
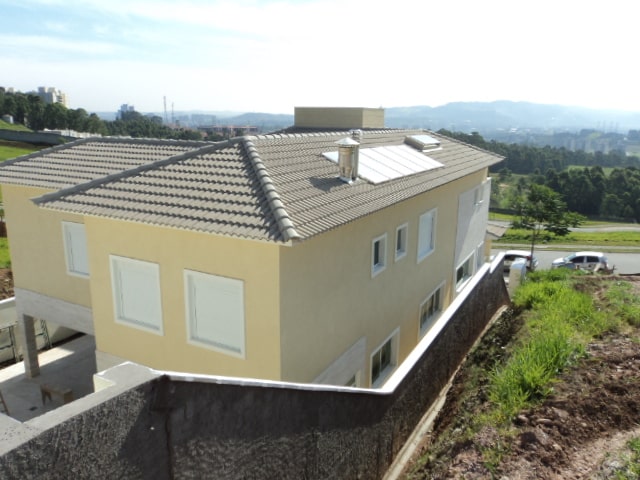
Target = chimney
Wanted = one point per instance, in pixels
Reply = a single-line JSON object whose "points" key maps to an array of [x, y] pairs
{"points": [[348, 159]]}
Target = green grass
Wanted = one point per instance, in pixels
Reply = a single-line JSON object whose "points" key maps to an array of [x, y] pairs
{"points": [[630, 469], [601, 239], [15, 149], [13, 126], [5, 258], [560, 322], [625, 301]]}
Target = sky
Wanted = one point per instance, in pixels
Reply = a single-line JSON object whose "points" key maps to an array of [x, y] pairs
{"points": [[273, 55]]}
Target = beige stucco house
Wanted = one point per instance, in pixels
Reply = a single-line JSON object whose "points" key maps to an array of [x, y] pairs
{"points": [[322, 253]]}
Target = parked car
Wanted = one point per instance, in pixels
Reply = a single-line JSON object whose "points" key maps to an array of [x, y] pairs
{"points": [[511, 256], [591, 261]]}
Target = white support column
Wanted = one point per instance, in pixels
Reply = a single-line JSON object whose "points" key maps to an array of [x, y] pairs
{"points": [[29, 346]]}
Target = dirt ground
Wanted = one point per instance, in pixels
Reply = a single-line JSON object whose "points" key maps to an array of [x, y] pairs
{"points": [[6, 283], [579, 432]]}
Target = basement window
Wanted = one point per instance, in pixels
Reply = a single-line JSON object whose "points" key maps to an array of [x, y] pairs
{"points": [[430, 310], [384, 360], [464, 272]]}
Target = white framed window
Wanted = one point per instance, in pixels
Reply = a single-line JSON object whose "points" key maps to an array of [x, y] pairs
{"points": [[401, 241], [215, 312], [378, 254], [430, 309], [75, 249], [384, 359], [426, 234], [464, 272], [136, 293]]}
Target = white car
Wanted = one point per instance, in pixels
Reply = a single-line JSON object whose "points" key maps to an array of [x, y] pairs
{"points": [[511, 256], [591, 261]]}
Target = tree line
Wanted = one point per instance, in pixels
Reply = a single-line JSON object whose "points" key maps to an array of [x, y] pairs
{"points": [[587, 190], [31, 111]]}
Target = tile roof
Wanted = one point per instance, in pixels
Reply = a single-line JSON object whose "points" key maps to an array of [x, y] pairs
{"points": [[88, 159], [275, 187]]}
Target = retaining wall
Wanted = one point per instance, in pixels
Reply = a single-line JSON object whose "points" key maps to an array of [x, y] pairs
{"points": [[180, 426]]}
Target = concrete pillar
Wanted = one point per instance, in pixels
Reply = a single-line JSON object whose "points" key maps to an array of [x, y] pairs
{"points": [[29, 346]]}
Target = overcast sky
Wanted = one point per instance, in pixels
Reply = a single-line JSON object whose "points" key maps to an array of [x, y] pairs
{"points": [[269, 56]]}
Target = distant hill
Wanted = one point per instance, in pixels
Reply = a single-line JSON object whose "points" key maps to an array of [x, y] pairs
{"points": [[484, 117], [504, 115]]}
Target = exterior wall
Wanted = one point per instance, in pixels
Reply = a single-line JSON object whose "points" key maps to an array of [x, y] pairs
{"points": [[330, 300], [217, 428], [336, 117], [37, 248], [176, 250]]}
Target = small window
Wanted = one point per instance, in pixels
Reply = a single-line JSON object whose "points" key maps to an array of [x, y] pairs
{"points": [[378, 254], [464, 272], [215, 312], [136, 293], [401, 241], [430, 310], [426, 234], [75, 248], [384, 360]]}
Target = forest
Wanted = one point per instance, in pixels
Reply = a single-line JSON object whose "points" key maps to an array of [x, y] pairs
{"points": [[31, 111], [605, 185]]}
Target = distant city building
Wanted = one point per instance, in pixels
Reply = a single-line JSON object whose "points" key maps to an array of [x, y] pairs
{"points": [[124, 108], [52, 95], [230, 130]]}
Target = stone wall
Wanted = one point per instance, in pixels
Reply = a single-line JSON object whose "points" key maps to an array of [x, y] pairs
{"points": [[178, 426], [38, 138]]}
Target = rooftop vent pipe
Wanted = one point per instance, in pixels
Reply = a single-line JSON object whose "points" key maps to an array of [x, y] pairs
{"points": [[348, 159]]}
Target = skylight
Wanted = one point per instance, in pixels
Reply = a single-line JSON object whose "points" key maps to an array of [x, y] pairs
{"points": [[423, 142], [380, 164]]}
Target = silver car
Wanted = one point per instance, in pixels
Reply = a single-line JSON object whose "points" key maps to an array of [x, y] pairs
{"points": [[511, 256], [591, 261]]}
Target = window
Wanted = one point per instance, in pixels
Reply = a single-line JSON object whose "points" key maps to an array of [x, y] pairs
{"points": [[378, 254], [384, 360], [215, 312], [136, 293], [401, 241], [75, 248], [464, 272], [430, 310], [426, 234]]}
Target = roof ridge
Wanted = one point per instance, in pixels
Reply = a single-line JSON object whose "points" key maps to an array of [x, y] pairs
{"points": [[285, 224], [326, 133], [48, 197]]}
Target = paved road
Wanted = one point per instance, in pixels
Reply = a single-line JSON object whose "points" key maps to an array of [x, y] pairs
{"points": [[624, 262]]}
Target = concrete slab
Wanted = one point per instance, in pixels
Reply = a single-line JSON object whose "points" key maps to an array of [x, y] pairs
{"points": [[70, 365]]}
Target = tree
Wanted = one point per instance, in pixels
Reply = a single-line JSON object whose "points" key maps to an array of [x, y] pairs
{"points": [[543, 210]]}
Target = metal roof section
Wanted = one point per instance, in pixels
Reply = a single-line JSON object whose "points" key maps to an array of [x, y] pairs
{"points": [[381, 164], [275, 188]]}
